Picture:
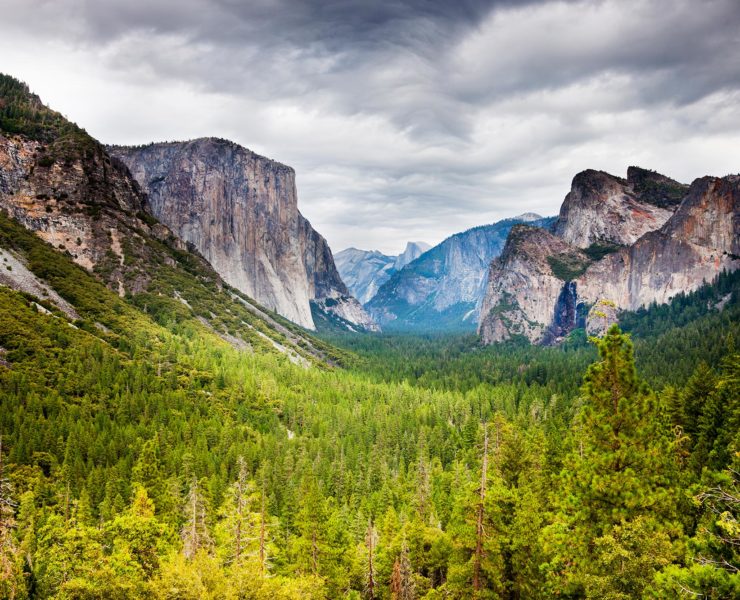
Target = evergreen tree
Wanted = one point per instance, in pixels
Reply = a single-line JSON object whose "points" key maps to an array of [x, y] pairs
{"points": [[371, 541], [617, 484], [11, 580], [403, 586]]}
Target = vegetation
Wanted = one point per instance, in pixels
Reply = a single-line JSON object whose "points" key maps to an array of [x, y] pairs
{"points": [[23, 113], [568, 266], [658, 190], [144, 456], [182, 443], [599, 250]]}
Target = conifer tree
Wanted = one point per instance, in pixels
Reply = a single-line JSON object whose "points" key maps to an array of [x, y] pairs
{"points": [[371, 540], [10, 581], [618, 479]]}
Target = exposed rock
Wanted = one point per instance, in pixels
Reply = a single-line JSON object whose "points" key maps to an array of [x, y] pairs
{"points": [[15, 274], [364, 271], [700, 240], [240, 211], [444, 287], [602, 208], [80, 202], [523, 293], [601, 317], [413, 251], [693, 246]]}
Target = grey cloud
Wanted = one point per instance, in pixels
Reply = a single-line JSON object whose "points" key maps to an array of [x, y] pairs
{"points": [[414, 117]]}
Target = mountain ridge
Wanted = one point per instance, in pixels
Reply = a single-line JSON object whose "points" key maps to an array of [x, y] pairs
{"points": [[364, 271], [443, 288], [589, 268]]}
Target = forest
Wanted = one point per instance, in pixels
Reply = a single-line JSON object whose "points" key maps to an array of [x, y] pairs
{"points": [[144, 456]]}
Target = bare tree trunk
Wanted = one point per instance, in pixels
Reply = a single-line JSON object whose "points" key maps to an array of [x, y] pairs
{"points": [[370, 542], [479, 534], [263, 537]]}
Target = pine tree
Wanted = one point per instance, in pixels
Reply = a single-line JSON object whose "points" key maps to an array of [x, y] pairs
{"points": [[479, 517], [619, 479], [371, 541], [11, 584]]}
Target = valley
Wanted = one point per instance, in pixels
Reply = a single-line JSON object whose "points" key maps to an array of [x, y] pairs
{"points": [[198, 400]]}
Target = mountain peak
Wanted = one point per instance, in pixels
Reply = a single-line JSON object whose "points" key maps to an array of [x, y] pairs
{"points": [[604, 208], [528, 217]]}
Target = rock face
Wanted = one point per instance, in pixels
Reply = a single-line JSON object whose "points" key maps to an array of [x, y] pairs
{"points": [[699, 240], [364, 271], [78, 200], [413, 251], [523, 295], [240, 211], [444, 287], [601, 317], [602, 208], [61, 184]]}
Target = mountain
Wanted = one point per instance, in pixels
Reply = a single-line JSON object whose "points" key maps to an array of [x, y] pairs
{"points": [[413, 251], [240, 211], [602, 208], [364, 271], [443, 288], [611, 251], [62, 185]]}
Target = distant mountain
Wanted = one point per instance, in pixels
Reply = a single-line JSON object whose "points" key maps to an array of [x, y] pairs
{"points": [[364, 271], [617, 245], [240, 211], [443, 288]]}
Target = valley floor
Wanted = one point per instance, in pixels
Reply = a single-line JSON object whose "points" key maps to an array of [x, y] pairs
{"points": [[143, 455]]}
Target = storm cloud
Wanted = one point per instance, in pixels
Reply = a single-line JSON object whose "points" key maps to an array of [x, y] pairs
{"points": [[403, 119]]}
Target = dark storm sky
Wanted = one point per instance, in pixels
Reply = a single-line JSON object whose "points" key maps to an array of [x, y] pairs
{"points": [[403, 119]]}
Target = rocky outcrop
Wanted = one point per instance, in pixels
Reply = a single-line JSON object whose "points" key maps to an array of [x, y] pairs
{"points": [[62, 185], [79, 200], [604, 209], [699, 240], [364, 271], [601, 316], [523, 295], [444, 287], [240, 211], [412, 251]]}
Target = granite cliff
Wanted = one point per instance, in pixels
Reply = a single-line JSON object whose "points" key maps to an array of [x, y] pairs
{"points": [[610, 251], [602, 208], [75, 197], [240, 211], [61, 184]]}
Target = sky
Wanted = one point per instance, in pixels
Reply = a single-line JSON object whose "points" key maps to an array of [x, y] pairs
{"points": [[403, 119]]}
